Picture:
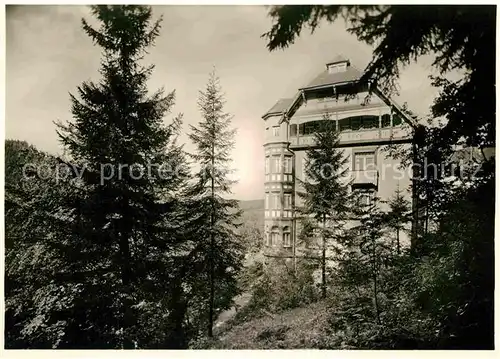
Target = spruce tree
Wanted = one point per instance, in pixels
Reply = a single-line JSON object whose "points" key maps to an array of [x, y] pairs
{"points": [[398, 215], [126, 227], [374, 250], [326, 189], [216, 218], [365, 252]]}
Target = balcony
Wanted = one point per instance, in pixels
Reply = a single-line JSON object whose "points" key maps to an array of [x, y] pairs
{"points": [[279, 177], [358, 136], [364, 179]]}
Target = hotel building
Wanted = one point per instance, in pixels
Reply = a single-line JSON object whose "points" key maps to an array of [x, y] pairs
{"points": [[367, 124]]}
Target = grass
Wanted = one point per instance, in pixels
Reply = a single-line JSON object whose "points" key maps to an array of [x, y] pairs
{"points": [[299, 328]]}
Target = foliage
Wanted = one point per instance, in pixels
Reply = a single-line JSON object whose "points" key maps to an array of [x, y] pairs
{"points": [[297, 328], [116, 232], [114, 254], [325, 195], [277, 288], [398, 216], [438, 297], [35, 307], [325, 173], [445, 285], [457, 271], [250, 275], [215, 219], [251, 236], [401, 34], [365, 252]]}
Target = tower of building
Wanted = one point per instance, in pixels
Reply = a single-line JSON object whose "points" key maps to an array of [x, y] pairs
{"points": [[279, 179]]}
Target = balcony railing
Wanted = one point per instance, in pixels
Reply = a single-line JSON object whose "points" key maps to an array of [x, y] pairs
{"points": [[364, 135]]}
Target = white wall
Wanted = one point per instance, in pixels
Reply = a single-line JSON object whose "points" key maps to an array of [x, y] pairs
{"points": [[271, 122]]}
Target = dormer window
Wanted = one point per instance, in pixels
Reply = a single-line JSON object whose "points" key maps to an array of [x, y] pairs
{"points": [[339, 67]]}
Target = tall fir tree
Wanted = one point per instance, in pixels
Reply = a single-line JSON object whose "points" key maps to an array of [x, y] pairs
{"points": [[326, 190], [216, 218], [126, 226]]}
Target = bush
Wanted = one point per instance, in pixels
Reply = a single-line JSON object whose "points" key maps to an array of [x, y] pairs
{"points": [[276, 288]]}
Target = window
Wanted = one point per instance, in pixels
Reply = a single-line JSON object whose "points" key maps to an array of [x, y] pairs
{"points": [[358, 122], [293, 130], [288, 164], [364, 161], [267, 165], [344, 124], [287, 201], [267, 201], [287, 238], [275, 164], [276, 131], [396, 120], [386, 120], [309, 127], [274, 236], [337, 68], [369, 122], [312, 127], [276, 201]]}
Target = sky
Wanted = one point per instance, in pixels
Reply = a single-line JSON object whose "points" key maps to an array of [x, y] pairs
{"points": [[48, 55]]}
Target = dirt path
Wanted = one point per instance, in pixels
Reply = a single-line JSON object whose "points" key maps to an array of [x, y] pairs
{"points": [[239, 302]]}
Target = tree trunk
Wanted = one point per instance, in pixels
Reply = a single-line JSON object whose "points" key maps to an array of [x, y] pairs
{"points": [[126, 277], [426, 218], [294, 244], [212, 285], [211, 255], [375, 297], [323, 262], [176, 336], [415, 189], [397, 241], [374, 278]]}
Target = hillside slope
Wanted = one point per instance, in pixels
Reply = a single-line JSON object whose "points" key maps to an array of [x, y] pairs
{"points": [[299, 328], [253, 213]]}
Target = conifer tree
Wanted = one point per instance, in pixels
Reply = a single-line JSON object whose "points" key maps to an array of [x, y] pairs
{"points": [[126, 226], [326, 189], [374, 250], [216, 218], [365, 251], [398, 215]]}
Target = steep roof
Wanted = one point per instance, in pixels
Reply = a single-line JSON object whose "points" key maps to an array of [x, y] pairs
{"points": [[280, 107], [326, 78]]}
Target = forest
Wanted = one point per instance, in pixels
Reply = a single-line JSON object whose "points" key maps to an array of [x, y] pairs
{"points": [[121, 243]]}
